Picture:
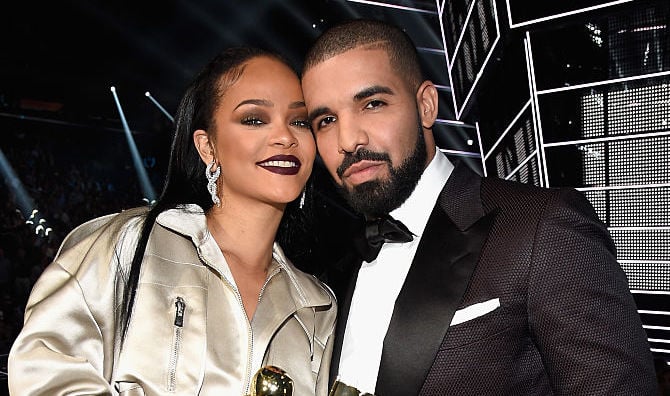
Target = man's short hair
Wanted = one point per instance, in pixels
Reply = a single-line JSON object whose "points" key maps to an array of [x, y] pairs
{"points": [[370, 34]]}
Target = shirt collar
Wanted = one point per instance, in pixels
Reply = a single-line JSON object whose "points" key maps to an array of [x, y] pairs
{"points": [[414, 212]]}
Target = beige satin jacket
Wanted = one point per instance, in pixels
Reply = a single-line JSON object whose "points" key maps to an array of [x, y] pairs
{"points": [[188, 334]]}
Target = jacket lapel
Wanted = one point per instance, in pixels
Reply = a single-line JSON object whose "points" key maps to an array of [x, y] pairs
{"points": [[436, 282], [344, 296]]}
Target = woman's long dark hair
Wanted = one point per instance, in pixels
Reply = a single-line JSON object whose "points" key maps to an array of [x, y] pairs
{"points": [[185, 181]]}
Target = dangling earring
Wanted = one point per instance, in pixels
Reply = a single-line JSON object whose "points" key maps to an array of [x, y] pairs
{"points": [[212, 177], [302, 198]]}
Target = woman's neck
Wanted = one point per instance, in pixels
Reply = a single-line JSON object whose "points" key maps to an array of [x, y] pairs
{"points": [[245, 234]]}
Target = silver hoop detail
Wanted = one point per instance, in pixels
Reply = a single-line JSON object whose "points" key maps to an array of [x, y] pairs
{"points": [[212, 177]]}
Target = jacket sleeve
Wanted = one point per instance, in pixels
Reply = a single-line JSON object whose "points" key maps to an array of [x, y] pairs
{"points": [[59, 351], [66, 345], [581, 312]]}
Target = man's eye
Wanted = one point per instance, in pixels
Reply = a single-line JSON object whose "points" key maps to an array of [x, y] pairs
{"points": [[252, 121], [325, 121], [373, 104]]}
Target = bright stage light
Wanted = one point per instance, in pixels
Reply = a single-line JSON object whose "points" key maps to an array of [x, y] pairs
{"points": [[145, 184], [161, 108]]}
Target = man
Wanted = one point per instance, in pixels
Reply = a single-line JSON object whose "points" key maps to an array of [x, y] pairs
{"points": [[500, 288]]}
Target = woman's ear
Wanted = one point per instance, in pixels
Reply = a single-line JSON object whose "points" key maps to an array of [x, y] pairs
{"points": [[426, 99], [203, 145]]}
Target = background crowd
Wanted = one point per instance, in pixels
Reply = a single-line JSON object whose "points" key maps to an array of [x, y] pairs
{"points": [[71, 176]]}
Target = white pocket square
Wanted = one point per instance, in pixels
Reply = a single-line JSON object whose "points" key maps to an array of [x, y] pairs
{"points": [[475, 311]]}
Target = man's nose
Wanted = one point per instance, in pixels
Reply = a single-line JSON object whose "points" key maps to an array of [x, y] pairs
{"points": [[351, 135]]}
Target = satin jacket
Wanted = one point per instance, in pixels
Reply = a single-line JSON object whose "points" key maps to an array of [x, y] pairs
{"points": [[188, 333]]}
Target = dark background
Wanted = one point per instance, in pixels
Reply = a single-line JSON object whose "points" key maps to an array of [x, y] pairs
{"points": [[68, 53]]}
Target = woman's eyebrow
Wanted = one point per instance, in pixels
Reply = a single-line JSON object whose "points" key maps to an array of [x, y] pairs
{"points": [[257, 102]]}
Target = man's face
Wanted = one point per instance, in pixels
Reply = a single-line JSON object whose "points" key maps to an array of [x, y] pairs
{"points": [[367, 128]]}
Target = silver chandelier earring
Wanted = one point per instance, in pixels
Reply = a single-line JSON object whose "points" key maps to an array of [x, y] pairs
{"points": [[302, 198], [212, 177]]}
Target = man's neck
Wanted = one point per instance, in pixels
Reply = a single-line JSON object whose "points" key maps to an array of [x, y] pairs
{"points": [[415, 210]]}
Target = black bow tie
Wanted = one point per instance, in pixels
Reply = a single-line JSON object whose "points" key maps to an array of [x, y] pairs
{"points": [[378, 231]]}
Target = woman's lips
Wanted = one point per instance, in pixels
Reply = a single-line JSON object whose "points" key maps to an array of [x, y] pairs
{"points": [[281, 164]]}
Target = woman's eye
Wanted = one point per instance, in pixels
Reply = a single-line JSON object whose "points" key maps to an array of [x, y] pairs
{"points": [[252, 121], [373, 104], [301, 124]]}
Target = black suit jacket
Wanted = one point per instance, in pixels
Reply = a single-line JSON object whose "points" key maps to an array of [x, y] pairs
{"points": [[566, 325]]}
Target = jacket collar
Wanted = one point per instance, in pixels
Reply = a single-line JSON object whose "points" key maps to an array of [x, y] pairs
{"points": [[463, 202], [190, 221], [444, 263]]}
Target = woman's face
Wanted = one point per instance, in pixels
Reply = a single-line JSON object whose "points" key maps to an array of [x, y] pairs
{"points": [[262, 140]]}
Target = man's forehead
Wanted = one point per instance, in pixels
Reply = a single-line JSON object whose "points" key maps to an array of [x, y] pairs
{"points": [[356, 54], [355, 64]]}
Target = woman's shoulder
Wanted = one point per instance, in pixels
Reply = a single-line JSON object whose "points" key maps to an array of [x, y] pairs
{"points": [[109, 227]]}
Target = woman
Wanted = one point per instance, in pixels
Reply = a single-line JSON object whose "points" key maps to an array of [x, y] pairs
{"points": [[193, 296]]}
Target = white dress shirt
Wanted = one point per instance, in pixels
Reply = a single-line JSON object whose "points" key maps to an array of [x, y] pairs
{"points": [[380, 281]]}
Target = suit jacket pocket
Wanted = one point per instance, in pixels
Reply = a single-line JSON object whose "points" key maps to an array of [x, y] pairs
{"points": [[474, 311], [478, 328]]}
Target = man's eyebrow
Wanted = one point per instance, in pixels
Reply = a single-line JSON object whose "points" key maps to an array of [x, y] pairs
{"points": [[319, 111], [257, 102], [364, 93], [373, 90]]}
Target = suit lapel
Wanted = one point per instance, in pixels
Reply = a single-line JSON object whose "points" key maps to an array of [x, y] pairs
{"points": [[436, 282], [344, 296]]}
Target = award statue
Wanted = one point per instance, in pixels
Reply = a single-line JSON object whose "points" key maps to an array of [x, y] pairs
{"points": [[342, 389], [271, 381]]}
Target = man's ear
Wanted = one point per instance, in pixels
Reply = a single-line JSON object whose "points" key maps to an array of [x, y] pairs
{"points": [[203, 145], [426, 99]]}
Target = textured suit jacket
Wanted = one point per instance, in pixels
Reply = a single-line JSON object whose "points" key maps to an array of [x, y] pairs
{"points": [[539, 304]]}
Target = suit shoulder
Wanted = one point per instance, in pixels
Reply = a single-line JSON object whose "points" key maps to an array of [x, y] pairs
{"points": [[507, 191], [529, 199]]}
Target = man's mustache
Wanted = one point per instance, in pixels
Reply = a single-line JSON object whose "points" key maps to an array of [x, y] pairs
{"points": [[360, 155]]}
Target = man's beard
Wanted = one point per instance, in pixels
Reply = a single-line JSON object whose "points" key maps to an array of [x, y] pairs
{"points": [[378, 197]]}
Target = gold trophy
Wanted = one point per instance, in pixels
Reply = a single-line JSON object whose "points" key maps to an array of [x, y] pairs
{"points": [[271, 381], [342, 389]]}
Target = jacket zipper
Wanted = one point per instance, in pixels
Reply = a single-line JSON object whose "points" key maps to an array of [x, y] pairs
{"points": [[267, 280], [250, 351], [250, 355], [250, 334], [178, 326], [250, 345]]}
